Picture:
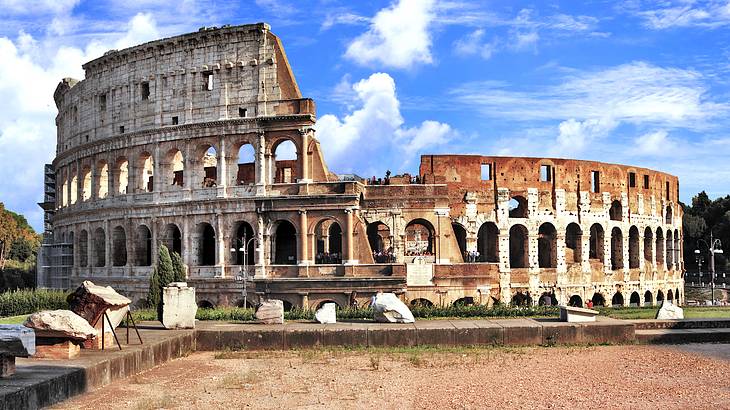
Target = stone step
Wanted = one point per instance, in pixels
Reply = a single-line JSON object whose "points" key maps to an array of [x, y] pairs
{"points": [[650, 324], [676, 336]]}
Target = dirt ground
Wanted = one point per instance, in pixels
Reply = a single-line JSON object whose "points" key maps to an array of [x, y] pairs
{"points": [[689, 376]]}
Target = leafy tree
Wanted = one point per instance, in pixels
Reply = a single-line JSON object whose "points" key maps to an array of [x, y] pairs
{"points": [[178, 267], [164, 267], [21, 249], [153, 293], [8, 233], [703, 216], [161, 276]]}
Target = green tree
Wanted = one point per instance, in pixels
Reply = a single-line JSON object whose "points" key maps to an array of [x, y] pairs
{"points": [[178, 267], [164, 267], [162, 275], [8, 233], [21, 249], [153, 293]]}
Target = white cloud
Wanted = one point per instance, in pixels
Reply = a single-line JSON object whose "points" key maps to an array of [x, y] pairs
{"points": [[656, 144], [398, 36], [141, 29], [38, 7], [374, 129], [636, 92], [671, 14], [344, 18], [573, 135], [472, 45]]}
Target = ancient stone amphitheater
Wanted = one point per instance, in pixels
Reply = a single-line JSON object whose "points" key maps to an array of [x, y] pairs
{"points": [[184, 142]]}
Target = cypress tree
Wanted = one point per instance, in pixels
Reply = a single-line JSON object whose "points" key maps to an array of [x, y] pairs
{"points": [[178, 267], [164, 266], [153, 294]]}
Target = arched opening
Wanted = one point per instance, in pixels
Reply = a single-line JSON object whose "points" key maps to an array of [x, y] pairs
{"points": [[74, 186], [328, 235], [102, 188], [659, 296], [659, 248], [206, 245], [246, 172], [288, 306], [86, 183], [244, 245], [285, 244], [668, 215], [575, 301], [598, 300], [147, 166], [676, 296], [460, 235], [648, 298], [677, 249], [648, 244], [421, 303], [143, 243], [617, 249], [487, 239], [465, 301], [669, 250], [635, 299], [518, 246], [119, 246], [71, 241], [521, 299], [83, 249], [670, 296], [615, 213], [99, 248], [547, 299], [122, 174], [419, 238], [380, 242], [172, 238], [547, 238], [244, 304], [205, 304], [64, 188], [573, 243], [518, 207], [617, 300], [285, 157], [210, 167], [176, 171], [596, 242]]}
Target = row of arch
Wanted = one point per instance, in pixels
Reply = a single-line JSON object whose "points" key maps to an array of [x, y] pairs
{"points": [[85, 183]]}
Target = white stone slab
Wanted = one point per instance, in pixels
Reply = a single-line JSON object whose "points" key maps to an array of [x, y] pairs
{"points": [[577, 315], [178, 306]]}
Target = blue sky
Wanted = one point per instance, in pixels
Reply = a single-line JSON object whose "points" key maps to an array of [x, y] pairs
{"points": [[636, 82]]}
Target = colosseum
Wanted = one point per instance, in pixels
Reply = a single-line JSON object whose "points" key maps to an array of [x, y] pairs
{"points": [[204, 143]]}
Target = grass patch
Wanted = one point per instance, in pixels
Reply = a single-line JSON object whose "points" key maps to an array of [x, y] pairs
{"points": [[690, 312], [13, 320]]}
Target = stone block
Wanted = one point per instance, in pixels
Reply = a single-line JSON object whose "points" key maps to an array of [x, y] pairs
{"points": [[434, 333], [60, 324], [178, 306], [577, 315], [556, 332], [387, 308], [477, 332], [96, 342], [670, 311], [56, 349], [521, 331], [91, 301], [326, 314], [345, 335], [393, 335], [270, 312], [16, 341]]}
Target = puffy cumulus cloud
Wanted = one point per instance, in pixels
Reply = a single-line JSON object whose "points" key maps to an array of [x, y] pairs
{"points": [[573, 135], [398, 36], [373, 131], [30, 70], [656, 144]]}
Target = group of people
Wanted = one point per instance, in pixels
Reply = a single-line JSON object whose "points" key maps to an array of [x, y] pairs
{"points": [[417, 253], [328, 258], [384, 256], [471, 256], [386, 181]]}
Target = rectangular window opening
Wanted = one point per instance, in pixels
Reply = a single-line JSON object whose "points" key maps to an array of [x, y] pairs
{"points": [[121, 129], [242, 112], [595, 181], [546, 173], [145, 90], [632, 180], [486, 172], [207, 81], [174, 120], [646, 181], [667, 196], [102, 102]]}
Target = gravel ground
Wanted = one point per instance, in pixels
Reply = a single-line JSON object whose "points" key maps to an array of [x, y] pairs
{"points": [[637, 377]]}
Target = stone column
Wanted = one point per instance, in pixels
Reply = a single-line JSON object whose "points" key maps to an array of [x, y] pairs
{"points": [[302, 240], [304, 157], [222, 168], [107, 246], [260, 246], [532, 253], [625, 256], [185, 239], [585, 256], [156, 171], [348, 239], [221, 245], [607, 251], [260, 165], [94, 175], [504, 267], [154, 226], [641, 252], [562, 264]]}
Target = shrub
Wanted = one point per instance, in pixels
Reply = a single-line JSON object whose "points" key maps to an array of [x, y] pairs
{"points": [[25, 302]]}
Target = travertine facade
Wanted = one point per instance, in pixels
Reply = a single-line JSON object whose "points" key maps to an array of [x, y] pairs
{"points": [[152, 149]]}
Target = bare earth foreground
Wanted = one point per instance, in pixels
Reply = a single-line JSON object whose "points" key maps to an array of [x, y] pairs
{"points": [[688, 376]]}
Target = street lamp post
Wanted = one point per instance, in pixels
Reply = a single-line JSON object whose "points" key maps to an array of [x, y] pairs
{"points": [[715, 247], [243, 269]]}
